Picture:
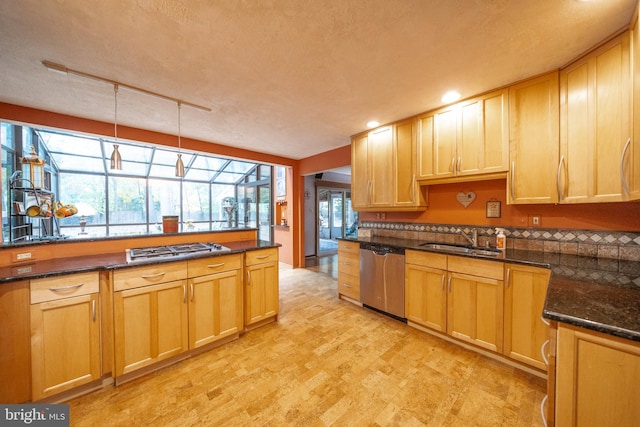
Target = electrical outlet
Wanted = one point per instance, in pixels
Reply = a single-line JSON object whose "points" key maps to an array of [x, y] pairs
{"points": [[535, 221], [22, 256]]}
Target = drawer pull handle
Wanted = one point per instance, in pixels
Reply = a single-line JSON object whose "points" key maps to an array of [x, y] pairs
{"points": [[153, 276], [262, 256], [248, 278], [508, 277], [543, 410], [66, 288], [215, 265], [443, 282], [545, 321], [347, 286], [184, 294], [543, 353], [193, 292], [93, 310]]}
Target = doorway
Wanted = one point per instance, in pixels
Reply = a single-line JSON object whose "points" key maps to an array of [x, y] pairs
{"points": [[336, 219]]}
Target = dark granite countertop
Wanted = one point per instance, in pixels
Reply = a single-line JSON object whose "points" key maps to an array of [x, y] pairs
{"points": [[598, 294], [110, 261]]}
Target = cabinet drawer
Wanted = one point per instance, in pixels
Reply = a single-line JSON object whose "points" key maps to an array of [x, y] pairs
{"points": [[261, 255], [149, 275], [349, 285], [349, 247], [426, 259], [69, 285], [476, 267], [349, 264], [204, 266]]}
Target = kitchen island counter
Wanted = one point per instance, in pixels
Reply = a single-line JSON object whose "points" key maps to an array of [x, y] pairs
{"points": [[108, 261]]}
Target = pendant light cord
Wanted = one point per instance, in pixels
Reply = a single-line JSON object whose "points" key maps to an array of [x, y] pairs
{"points": [[179, 121], [115, 121]]}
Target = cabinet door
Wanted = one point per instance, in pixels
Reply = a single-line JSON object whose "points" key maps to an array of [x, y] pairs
{"points": [[597, 379], [534, 127], [407, 190], [445, 134], [425, 146], [426, 297], [360, 181], [595, 125], [631, 154], [349, 269], [65, 344], [524, 330], [15, 342], [215, 307], [483, 146], [150, 325], [261, 292], [382, 167], [474, 310]]}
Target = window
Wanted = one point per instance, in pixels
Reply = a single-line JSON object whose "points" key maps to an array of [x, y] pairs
{"points": [[132, 201]]}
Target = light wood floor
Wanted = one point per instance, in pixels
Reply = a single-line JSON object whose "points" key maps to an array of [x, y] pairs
{"points": [[325, 362]]}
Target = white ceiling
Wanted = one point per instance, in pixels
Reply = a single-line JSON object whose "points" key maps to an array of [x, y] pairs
{"points": [[287, 77]]}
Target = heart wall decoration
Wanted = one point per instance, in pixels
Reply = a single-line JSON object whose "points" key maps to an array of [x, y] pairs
{"points": [[466, 199]]}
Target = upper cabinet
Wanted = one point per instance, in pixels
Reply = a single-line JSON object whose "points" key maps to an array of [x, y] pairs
{"points": [[631, 159], [596, 130], [469, 138], [383, 169], [533, 129]]}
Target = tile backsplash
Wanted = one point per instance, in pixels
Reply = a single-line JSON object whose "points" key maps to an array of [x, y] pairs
{"points": [[594, 243]]}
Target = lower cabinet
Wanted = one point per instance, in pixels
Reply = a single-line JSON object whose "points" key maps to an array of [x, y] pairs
{"points": [[596, 379], [525, 333], [425, 289], [468, 299], [261, 286], [150, 325], [150, 315], [15, 342], [475, 302], [215, 299], [349, 269], [65, 333]]}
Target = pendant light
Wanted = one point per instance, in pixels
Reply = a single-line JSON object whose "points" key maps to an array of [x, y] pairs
{"points": [[179, 164], [116, 160]]}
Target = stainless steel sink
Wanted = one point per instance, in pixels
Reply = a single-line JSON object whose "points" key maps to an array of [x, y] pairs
{"points": [[444, 247], [447, 248]]}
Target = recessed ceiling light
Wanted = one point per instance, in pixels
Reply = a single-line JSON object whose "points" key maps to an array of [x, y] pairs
{"points": [[372, 124], [450, 96]]}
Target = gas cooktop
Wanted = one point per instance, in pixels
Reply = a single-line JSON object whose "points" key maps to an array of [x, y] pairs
{"points": [[168, 251]]}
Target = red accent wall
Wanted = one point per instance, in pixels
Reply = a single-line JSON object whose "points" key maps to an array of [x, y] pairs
{"points": [[445, 209]]}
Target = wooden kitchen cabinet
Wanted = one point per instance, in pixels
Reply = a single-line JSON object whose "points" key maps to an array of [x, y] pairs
{"points": [[596, 127], [631, 157], [524, 331], [383, 173], [470, 138], [534, 140], [15, 343], [261, 286], [349, 270], [150, 315], [475, 302], [425, 290], [65, 333], [215, 299], [596, 379]]}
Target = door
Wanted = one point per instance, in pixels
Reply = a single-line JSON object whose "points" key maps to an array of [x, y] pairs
{"points": [[336, 218]]}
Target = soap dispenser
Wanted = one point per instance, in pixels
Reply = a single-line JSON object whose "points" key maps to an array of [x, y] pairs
{"points": [[501, 239]]}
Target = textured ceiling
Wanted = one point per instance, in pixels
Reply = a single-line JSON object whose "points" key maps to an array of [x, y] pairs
{"points": [[287, 77]]}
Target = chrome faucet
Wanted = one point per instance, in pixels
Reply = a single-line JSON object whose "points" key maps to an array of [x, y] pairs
{"points": [[474, 236]]}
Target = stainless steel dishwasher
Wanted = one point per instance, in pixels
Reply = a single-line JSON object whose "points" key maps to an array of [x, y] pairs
{"points": [[382, 278]]}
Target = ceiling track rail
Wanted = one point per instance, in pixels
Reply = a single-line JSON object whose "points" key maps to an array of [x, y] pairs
{"points": [[59, 68]]}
